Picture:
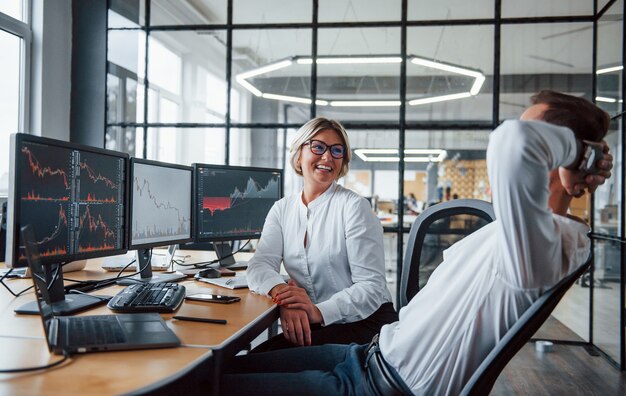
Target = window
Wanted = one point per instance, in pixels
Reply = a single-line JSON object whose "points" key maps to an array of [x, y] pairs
{"points": [[466, 67], [15, 37]]}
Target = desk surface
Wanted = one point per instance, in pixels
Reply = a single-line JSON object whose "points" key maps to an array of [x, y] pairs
{"points": [[23, 345]]}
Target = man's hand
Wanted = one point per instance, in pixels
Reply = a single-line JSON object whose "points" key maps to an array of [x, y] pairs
{"points": [[295, 324], [576, 182], [294, 297]]}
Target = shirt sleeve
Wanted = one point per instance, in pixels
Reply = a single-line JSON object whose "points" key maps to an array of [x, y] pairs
{"points": [[364, 244], [264, 268], [519, 157]]}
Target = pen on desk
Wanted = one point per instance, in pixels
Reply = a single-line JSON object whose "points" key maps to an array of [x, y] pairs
{"points": [[204, 320]]}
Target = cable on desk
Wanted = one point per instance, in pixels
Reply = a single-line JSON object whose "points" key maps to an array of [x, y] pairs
{"points": [[126, 266], [90, 295], [66, 356], [9, 289], [204, 264], [83, 286]]}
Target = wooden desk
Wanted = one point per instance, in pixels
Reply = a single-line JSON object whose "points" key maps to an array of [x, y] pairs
{"points": [[23, 345]]}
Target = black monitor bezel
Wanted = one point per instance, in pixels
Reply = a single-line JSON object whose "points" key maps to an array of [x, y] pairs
{"points": [[196, 233], [14, 196], [131, 177]]}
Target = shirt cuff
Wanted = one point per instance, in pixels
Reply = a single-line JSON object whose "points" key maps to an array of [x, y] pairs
{"points": [[330, 312], [269, 284]]}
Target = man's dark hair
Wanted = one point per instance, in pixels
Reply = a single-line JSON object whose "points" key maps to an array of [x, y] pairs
{"points": [[586, 120]]}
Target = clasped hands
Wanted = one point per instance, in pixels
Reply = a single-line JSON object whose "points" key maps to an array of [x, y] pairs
{"points": [[297, 312], [575, 182]]}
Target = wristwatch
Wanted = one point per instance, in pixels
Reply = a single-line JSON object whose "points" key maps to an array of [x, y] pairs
{"points": [[588, 153]]}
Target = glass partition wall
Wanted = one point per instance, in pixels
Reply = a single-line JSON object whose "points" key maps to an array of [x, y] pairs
{"points": [[418, 85]]}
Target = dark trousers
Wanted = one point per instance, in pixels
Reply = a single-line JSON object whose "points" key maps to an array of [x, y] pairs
{"points": [[309, 371], [360, 332], [322, 370]]}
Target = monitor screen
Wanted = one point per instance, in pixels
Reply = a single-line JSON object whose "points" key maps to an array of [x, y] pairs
{"points": [[232, 202], [160, 204], [73, 196]]}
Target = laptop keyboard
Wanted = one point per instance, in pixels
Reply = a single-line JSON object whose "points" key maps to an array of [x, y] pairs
{"points": [[149, 297], [95, 330]]}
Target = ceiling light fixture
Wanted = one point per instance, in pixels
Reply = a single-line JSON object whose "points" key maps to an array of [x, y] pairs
{"points": [[479, 79], [349, 60], [609, 69], [605, 99], [410, 155]]}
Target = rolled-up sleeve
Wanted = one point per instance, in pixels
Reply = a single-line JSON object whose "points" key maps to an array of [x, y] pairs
{"points": [[364, 245], [526, 151]]}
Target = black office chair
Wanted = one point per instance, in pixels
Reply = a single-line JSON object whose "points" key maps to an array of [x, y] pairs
{"points": [[483, 379], [435, 230]]}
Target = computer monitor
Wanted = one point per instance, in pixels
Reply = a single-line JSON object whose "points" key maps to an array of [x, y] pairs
{"points": [[73, 196], [160, 212], [231, 203]]}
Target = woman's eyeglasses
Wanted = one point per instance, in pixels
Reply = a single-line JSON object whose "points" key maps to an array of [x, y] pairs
{"points": [[337, 151]]}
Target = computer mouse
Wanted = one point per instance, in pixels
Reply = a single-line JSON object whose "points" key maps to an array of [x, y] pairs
{"points": [[209, 273]]}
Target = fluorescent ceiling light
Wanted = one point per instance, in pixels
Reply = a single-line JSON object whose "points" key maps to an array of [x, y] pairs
{"points": [[248, 86], [349, 60], [445, 67], [435, 99], [478, 84], [410, 155], [365, 103], [479, 80], [609, 69], [265, 69], [294, 99], [606, 100]]}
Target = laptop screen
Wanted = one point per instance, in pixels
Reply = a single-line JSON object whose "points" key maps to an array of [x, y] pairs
{"points": [[39, 281]]}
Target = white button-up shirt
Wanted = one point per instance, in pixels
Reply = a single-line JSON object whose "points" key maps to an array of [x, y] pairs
{"points": [[342, 267], [488, 279]]}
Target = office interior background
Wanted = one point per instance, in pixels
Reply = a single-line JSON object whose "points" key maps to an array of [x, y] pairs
{"points": [[230, 82]]}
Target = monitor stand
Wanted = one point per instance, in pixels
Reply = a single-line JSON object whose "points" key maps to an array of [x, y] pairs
{"points": [[225, 256], [61, 303], [145, 274]]}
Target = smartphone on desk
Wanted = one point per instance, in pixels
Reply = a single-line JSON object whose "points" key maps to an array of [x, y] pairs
{"points": [[214, 298]]}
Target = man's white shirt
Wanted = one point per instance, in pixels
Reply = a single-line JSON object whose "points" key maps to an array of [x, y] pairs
{"points": [[488, 279]]}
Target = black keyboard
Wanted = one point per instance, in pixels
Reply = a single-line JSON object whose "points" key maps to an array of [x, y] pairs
{"points": [[95, 330], [148, 297]]}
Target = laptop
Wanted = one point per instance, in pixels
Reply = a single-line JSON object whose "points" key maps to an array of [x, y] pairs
{"points": [[69, 335]]}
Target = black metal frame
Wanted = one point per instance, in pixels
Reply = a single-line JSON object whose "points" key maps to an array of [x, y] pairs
{"points": [[402, 126], [409, 284]]}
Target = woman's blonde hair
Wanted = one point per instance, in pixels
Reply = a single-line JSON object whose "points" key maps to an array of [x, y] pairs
{"points": [[308, 131]]}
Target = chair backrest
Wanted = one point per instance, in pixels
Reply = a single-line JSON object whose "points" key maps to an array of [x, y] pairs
{"points": [[483, 379], [435, 230]]}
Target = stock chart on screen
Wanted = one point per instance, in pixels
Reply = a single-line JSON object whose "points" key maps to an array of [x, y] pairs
{"points": [[74, 198], [232, 202], [160, 203]]}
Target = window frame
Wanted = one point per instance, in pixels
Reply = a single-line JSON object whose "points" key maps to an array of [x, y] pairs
{"points": [[23, 31]]}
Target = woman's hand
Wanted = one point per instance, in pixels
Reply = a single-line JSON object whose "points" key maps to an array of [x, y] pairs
{"points": [[294, 297], [295, 324]]}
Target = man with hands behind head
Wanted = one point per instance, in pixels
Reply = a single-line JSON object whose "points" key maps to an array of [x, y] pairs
{"points": [[486, 281]]}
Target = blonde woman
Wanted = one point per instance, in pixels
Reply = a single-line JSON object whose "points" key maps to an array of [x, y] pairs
{"points": [[331, 245]]}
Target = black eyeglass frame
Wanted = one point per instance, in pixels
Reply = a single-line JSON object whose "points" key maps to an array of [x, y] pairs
{"points": [[326, 147]]}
